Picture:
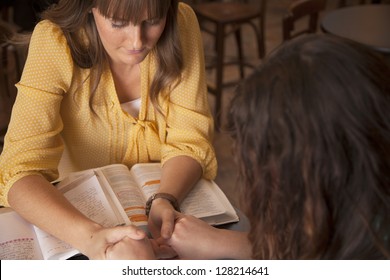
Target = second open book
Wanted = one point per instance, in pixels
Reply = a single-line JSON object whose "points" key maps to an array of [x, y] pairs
{"points": [[126, 192]]}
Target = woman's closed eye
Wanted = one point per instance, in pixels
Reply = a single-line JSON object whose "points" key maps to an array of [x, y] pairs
{"points": [[153, 21], [122, 24], [119, 24]]}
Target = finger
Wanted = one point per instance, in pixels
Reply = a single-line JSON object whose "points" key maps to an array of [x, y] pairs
{"points": [[155, 231], [168, 222], [118, 233], [178, 216], [166, 252], [162, 251], [160, 241]]}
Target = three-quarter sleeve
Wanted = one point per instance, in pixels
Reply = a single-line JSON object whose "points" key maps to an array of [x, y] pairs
{"points": [[33, 144]]}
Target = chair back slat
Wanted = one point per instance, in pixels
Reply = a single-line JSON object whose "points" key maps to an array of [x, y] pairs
{"points": [[298, 10]]}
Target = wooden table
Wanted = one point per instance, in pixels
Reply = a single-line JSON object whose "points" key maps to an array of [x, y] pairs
{"points": [[366, 24]]}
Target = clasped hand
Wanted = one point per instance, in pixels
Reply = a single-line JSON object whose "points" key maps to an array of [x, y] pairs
{"points": [[139, 246], [174, 236]]}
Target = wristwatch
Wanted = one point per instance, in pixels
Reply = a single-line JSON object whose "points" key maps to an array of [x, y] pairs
{"points": [[166, 196]]}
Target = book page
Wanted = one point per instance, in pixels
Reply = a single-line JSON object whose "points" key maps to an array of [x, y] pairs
{"points": [[53, 248], [88, 196], [127, 192], [148, 177], [202, 201], [206, 200], [17, 238]]}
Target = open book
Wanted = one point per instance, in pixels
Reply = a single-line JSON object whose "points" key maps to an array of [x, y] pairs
{"points": [[20, 240], [110, 195]]}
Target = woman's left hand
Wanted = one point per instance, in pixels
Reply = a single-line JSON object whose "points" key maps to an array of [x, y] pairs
{"points": [[161, 219]]}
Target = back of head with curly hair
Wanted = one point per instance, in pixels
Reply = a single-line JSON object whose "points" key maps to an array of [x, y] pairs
{"points": [[312, 134]]}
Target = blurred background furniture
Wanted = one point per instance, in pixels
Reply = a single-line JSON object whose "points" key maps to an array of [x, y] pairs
{"points": [[223, 18], [302, 18], [25, 13], [343, 3], [10, 72], [365, 24]]}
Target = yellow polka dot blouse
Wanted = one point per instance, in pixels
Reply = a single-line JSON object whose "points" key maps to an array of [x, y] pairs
{"points": [[52, 113]]}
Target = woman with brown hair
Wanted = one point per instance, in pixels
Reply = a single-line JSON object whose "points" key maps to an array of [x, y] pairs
{"points": [[108, 81], [312, 138]]}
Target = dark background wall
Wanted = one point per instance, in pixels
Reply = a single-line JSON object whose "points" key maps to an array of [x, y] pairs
{"points": [[26, 12]]}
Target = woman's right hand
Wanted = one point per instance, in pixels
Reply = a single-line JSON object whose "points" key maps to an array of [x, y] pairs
{"points": [[135, 245], [193, 238], [105, 241]]}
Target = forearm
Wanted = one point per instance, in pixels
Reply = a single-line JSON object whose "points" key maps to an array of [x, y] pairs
{"points": [[34, 198], [234, 245], [195, 239], [179, 176]]}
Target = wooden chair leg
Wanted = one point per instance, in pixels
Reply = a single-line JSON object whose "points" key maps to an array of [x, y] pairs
{"points": [[238, 36], [220, 36]]}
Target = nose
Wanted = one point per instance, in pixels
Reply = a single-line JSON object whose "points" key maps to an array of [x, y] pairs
{"points": [[135, 36]]}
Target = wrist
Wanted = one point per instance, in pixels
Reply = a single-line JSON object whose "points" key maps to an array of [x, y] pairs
{"points": [[240, 248], [89, 241], [163, 202], [161, 198]]}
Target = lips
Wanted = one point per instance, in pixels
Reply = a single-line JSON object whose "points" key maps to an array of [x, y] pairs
{"points": [[139, 51]]}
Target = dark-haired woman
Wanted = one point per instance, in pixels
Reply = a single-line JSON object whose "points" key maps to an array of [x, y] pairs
{"points": [[312, 138]]}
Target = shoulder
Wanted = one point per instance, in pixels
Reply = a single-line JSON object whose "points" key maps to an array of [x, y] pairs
{"points": [[48, 39], [48, 29], [186, 15], [188, 24], [185, 8], [48, 59]]}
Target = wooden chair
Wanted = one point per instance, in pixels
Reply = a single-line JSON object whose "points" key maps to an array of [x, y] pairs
{"points": [[5, 6], [221, 19], [298, 11]]}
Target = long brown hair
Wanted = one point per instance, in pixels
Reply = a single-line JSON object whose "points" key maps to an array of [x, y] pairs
{"points": [[77, 23], [312, 134]]}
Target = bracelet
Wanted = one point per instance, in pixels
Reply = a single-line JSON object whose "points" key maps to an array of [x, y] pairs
{"points": [[166, 196]]}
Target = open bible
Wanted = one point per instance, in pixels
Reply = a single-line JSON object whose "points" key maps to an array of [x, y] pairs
{"points": [[111, 195], [20, 240]]}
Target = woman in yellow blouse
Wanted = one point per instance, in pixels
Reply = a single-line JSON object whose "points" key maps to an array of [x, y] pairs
{"points": [[108, 81]]}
